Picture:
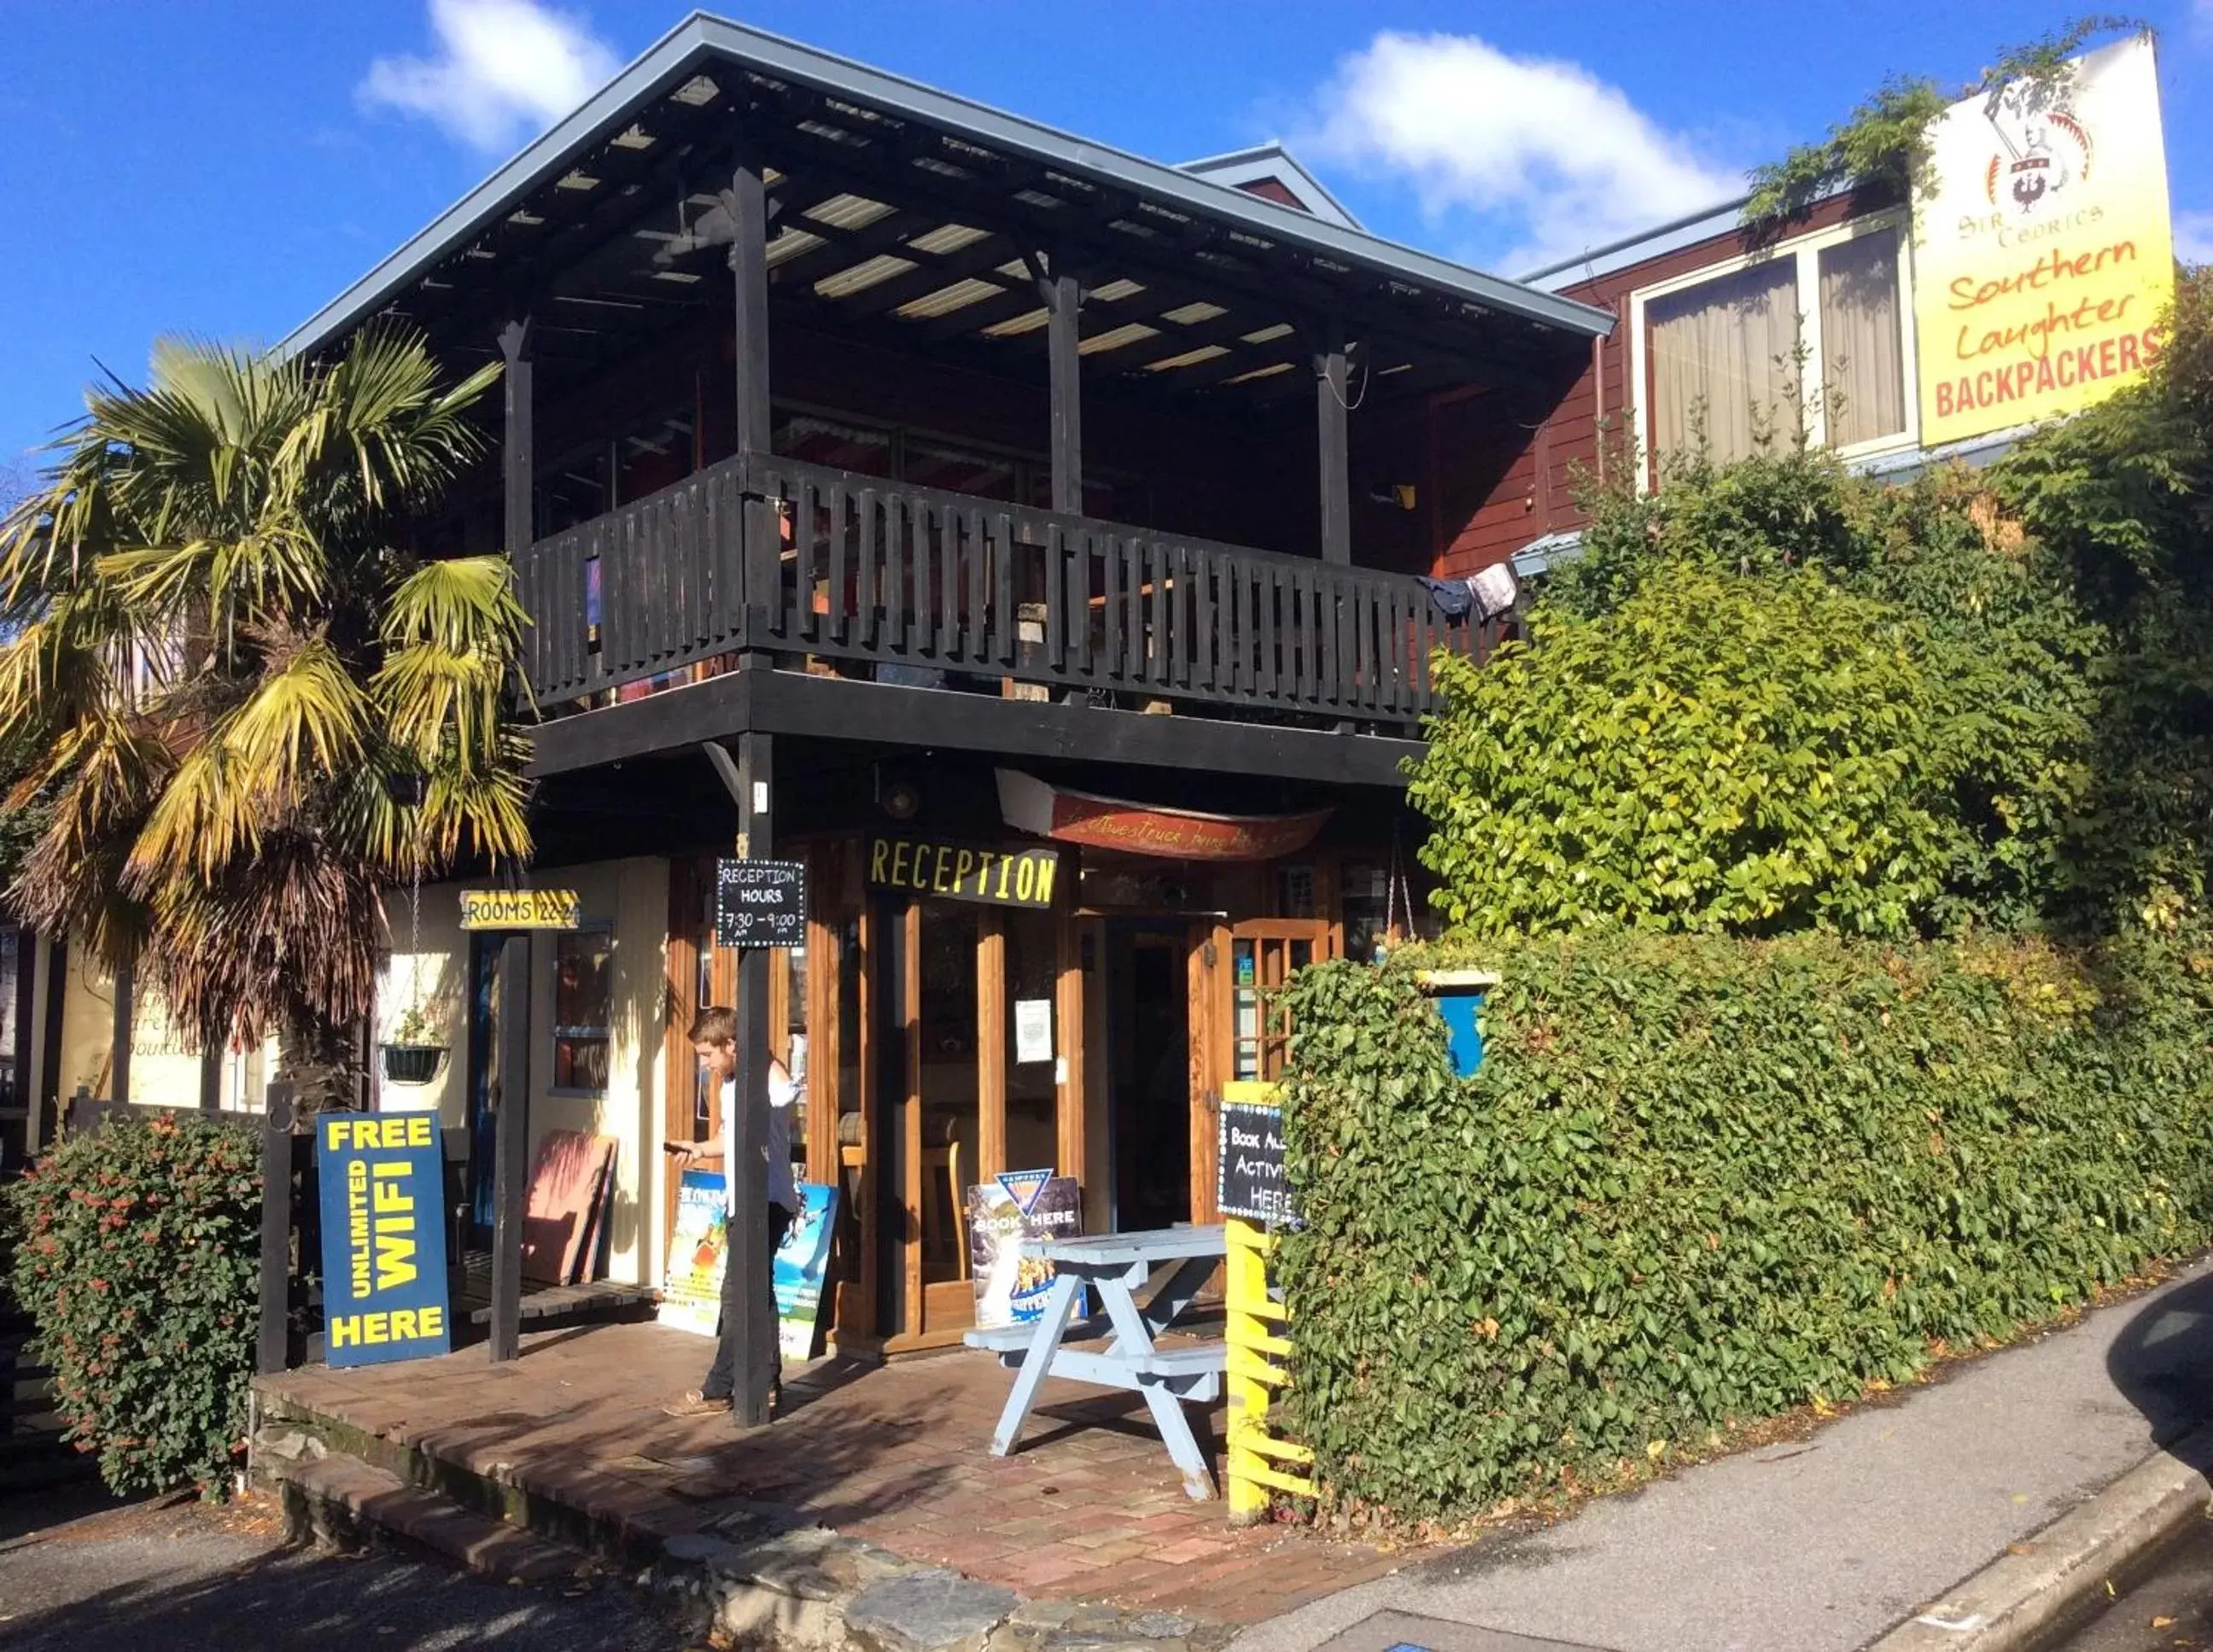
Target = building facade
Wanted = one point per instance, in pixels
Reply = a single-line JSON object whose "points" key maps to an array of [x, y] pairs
{"points": [[1033, 533]]}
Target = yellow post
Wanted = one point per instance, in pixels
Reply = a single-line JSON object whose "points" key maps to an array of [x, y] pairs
{"points": [[1256, 1321]]}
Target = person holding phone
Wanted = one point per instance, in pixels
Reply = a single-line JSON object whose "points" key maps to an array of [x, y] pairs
{"points": [[714, 1040]]}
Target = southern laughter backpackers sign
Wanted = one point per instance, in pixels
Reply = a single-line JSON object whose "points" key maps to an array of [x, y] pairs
{"points": [[384, 1245], [2044, 254]]}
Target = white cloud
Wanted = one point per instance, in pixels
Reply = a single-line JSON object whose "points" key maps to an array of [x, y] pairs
{"points": [[1546, 159], [2194, 231], [505, 70]]}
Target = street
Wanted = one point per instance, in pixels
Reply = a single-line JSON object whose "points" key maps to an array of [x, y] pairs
{"points": [[2171, 1611], [187, 1575]]}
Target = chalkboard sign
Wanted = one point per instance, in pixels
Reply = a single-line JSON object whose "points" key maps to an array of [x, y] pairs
{"points": [[760, 904], [1250, 1182]]}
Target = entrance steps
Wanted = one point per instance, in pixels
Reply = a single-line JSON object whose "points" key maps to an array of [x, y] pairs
{"points": [[342, 1502]]}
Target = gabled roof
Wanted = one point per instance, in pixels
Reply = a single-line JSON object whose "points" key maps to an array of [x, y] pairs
{"points": [[1271, 163], [703, 46]]}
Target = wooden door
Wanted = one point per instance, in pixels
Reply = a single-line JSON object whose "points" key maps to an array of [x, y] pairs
{"points": [[1246, 1034]]}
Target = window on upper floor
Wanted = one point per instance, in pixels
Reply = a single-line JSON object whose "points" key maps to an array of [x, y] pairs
{"points": [[1808, 339]]}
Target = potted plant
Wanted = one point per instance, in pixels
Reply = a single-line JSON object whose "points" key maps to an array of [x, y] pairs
{"points": [[415, 1051]]}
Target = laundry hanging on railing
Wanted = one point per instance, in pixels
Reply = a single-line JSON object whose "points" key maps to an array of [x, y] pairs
{"points": [[1486, 594]]}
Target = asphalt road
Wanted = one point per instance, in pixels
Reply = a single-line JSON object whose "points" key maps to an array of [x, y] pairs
{"points": [[186, 1576], [2171, 1611]]}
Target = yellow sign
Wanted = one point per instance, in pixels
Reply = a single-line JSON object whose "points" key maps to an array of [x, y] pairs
{"points": [[997, 877], [519, 909], [2044, 257]]}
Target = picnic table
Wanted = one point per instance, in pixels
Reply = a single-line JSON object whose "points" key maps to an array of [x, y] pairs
{"points": [[1116, 1266]]}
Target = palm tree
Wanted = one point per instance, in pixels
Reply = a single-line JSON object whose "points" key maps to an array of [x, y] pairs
{"points": [[235, 685]]}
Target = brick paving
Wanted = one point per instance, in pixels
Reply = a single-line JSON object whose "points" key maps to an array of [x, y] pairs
{"points": [[1089, 1508]]}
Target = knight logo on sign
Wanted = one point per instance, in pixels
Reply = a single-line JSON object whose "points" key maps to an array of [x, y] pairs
{"points": [[2043, 252]]}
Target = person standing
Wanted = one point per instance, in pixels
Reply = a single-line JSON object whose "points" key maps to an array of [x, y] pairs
{"points": [[714, 1040]]}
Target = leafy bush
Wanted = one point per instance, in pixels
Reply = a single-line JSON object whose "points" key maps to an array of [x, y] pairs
{"points": [[1701, 1180], [138, 1260], [2010, 659], [1717, 752]]}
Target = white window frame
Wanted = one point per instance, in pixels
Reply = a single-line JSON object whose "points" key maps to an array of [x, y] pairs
{"points": [[1806, 252]]}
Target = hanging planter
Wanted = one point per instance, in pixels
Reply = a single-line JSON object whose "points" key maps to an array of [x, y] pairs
{"points": [[412, 1063], [413, 1056]]}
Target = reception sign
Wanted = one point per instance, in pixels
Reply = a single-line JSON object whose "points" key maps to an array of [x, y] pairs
{"points": [[2044, 254], [992, 877], [384, 1242]]}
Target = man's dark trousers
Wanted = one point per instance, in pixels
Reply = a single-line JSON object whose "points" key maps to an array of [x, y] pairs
{"points": [[721, 1382]]}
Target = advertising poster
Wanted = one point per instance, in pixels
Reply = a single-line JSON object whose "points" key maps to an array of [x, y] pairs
{"points": [[384, 1240], [691, 1295], [1019, 1205], [2044, 253], [801, 1262]]}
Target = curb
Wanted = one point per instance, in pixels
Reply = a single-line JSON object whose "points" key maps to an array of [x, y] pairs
{"points": [[2058, 1578]]}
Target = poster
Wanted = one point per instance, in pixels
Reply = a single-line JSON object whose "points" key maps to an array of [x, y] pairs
{"points": [[384, 1237], [1019, 1205], [1033, 1030], [691, 1294], [800, 1262], [2044, 253]]}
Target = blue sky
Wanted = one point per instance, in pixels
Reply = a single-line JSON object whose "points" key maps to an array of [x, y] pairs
{"points": [[223, 169]]}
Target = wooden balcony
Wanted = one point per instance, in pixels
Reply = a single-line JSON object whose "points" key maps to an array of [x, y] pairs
{"points": [[860, 577]]}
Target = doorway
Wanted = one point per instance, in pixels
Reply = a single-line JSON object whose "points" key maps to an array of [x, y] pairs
{"points": [[1148, 1074]]}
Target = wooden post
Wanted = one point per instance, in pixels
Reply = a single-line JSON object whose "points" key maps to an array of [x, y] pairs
{"points": [[760, 570], [119, 1057], [1331, 408], [272, 1345], [750, 1336], [511, 1149], [518, 466], [749, 265], [991, 1049], [1063, 299]]}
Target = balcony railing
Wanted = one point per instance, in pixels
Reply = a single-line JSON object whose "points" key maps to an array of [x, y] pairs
{"points": [[927, 587]]}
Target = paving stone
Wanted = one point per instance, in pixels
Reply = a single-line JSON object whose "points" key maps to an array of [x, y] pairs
{"points": [[929, 1611]]}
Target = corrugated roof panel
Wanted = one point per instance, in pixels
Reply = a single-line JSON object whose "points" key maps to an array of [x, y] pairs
{"points": [[946, 300], [947, 238], [1267, 372], [1268, 335], [1030, 321], [788, 243], [1116, 338], [848, 211], [1118, 289], [1189, 358], [863, 276], [1185, 315]]}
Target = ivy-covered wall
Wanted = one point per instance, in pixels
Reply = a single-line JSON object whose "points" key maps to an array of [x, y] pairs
{"points": [[1701, 1180]]}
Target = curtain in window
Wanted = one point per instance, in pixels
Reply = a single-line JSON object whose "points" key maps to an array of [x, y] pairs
{"points": [[1725, 365], [1864, 365]]}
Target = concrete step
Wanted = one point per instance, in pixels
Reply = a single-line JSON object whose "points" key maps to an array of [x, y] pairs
{"points": [[346, 1503]]}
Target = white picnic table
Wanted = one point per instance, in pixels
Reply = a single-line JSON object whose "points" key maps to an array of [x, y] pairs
{"points": [[1117, 1266]]}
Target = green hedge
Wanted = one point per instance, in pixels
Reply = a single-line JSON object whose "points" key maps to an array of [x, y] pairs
{"points": [[1701, 1181], [137, 1258]]}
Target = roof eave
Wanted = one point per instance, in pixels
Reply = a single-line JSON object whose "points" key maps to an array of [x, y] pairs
{"points": [[701, 38]]}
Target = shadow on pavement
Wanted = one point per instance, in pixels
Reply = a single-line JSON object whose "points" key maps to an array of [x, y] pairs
{"points": [[129, 1582], [2163, 1363]]}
